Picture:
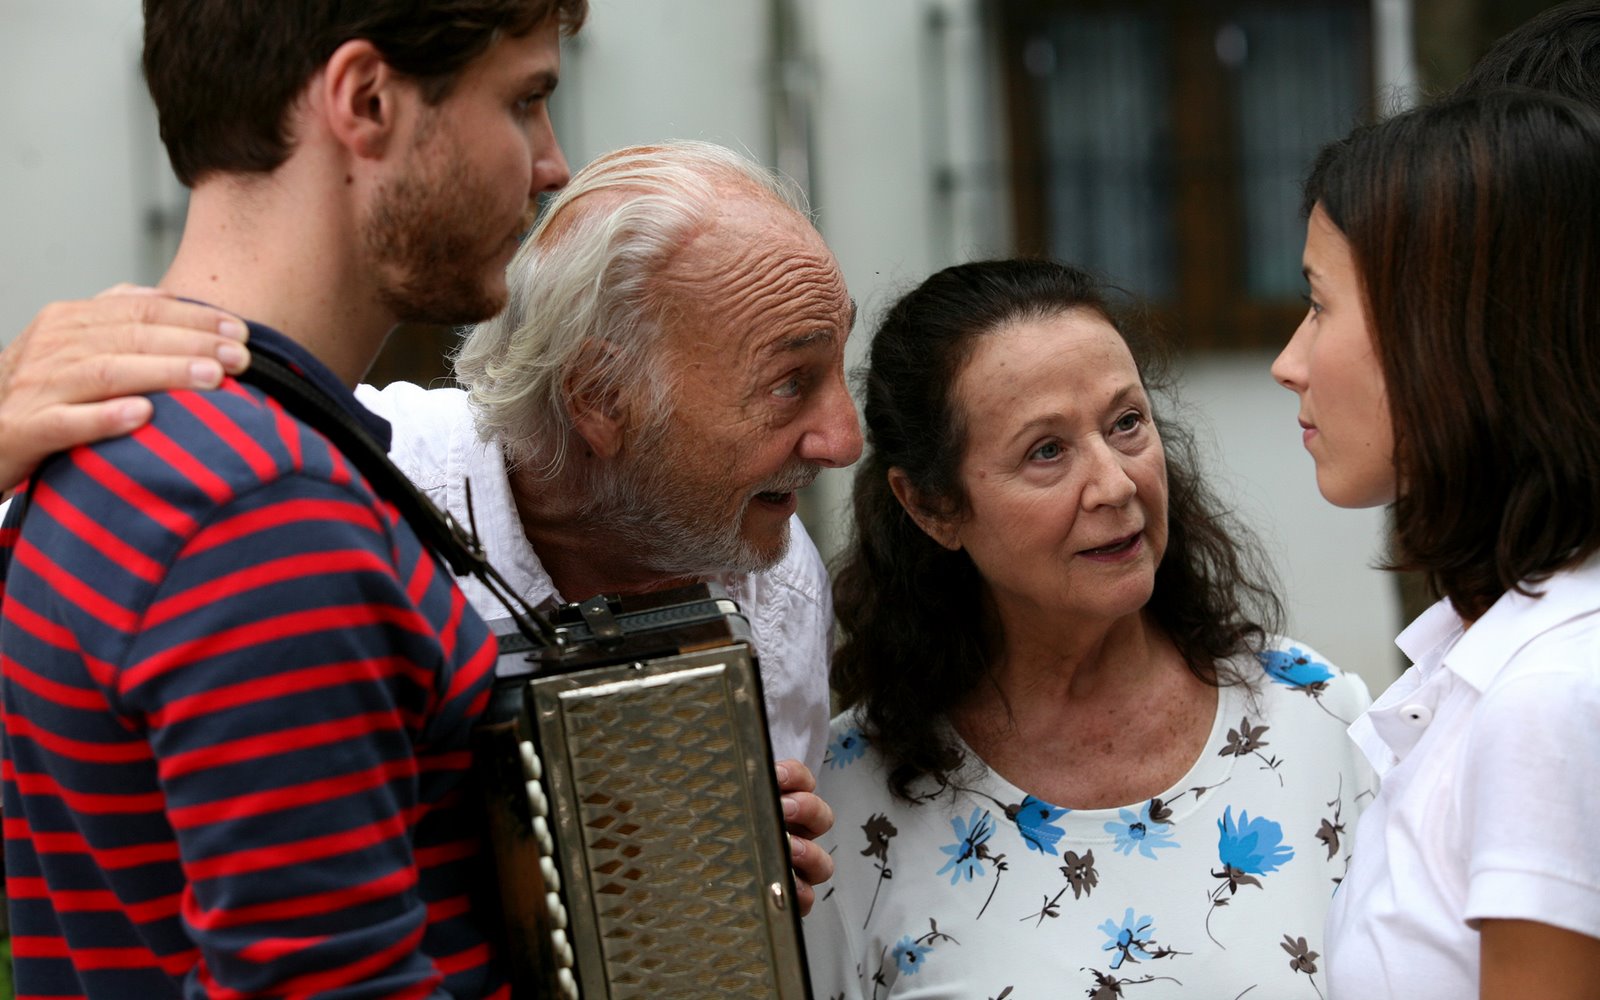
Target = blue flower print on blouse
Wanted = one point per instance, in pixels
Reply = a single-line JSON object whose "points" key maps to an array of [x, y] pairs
{"points": [[908, 955], [1036, 821], [1140, 832], [1246, 849], [1299, 672], [1254, 846], [846, 748], [1294, 668], [1128, 940], [966, 856]]}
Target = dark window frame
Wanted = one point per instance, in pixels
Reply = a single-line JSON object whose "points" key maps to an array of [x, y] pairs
{"points": [[1212, 307]]}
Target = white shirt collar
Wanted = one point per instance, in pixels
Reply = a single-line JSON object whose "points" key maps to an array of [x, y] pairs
{"points": [[1426, 638], [1517, 619], [1440, 640], [1391, 727]]}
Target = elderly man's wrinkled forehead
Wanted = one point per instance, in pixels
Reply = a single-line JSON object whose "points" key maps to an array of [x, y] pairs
{"points": [[724, 269], [754, 273]]}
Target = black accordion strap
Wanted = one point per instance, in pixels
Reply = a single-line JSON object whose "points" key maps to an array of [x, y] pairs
{"points": [[437, 529]]}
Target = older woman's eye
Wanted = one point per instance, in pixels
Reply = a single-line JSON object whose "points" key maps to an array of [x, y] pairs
{"points": [[1047, 452], [1129, 421]]}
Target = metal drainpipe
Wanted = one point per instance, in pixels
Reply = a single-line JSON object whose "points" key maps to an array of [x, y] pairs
{"points": [[792, 85], [1394, 60]]}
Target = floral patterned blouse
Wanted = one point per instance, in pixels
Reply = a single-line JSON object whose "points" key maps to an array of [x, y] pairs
{"points": [[1214, 890]]}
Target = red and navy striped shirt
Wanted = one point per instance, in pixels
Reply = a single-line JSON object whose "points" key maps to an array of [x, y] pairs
{"points": [[237, 697]]}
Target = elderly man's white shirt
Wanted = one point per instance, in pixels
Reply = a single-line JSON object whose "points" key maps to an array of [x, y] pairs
{"points": [[789, 605], [1487, 806]]}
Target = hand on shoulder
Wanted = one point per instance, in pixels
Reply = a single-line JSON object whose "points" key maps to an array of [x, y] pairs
{"points": [[76, 374]]}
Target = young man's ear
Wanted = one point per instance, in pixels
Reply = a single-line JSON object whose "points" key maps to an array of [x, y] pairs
{"points": [[942, 528], [594, 404], [363, 99]]}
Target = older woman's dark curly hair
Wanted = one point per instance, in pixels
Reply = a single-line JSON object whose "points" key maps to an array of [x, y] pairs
{"points": [[916, 640]]}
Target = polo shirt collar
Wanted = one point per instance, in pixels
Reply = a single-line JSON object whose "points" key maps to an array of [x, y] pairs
{"points": [[1388, 730], [1513, 621], [1439, 642], [1434, 629]]}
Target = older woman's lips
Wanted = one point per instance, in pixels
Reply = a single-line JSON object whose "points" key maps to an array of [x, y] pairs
{"points": [[1117, 551]]}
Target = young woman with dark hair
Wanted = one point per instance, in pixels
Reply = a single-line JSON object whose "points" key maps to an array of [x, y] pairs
{"points": [[1449, 367], [1074, 755]]}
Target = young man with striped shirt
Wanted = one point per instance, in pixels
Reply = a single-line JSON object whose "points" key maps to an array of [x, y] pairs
{"points": [[237, 689]]}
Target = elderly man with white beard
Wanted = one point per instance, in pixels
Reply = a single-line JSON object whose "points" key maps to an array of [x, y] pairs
{"points": [[668, 374]]}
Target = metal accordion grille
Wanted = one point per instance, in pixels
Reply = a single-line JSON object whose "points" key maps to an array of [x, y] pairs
{"points": [[654, 775]]}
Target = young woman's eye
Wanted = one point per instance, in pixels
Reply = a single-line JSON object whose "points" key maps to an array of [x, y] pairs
{"points": [[1312, 304]]}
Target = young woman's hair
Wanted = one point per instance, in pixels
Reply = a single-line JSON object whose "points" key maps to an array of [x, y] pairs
{"points": [[916, 638], [1475, 228]]}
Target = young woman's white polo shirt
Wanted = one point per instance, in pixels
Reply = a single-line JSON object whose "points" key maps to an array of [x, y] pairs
{"points": [[1488, 805]]}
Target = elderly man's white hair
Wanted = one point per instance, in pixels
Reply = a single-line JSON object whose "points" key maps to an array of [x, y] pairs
{"points": [[584, 295]]}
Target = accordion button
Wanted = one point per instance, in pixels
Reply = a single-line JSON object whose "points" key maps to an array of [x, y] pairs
{"points": [[541, 833], [562, 948], [536, 799], [567, 985], [558, 911], [531, 768], [552, 878]]}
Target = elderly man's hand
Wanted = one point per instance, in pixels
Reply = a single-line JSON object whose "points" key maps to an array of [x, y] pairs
{"points": [[75, 374], [807, 817]]}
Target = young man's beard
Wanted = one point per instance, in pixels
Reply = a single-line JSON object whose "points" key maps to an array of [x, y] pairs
{"points": [[440, 243]]}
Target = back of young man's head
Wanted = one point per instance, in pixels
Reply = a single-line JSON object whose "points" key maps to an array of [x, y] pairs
{"points": [[224, 74], [1557, 51]]}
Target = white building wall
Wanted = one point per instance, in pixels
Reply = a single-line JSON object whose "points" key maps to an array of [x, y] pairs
{"points": [[900, 97], [79, 166], [874, 180], [643, 70]]}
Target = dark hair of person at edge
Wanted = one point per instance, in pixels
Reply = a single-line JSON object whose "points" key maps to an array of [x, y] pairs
{"points": [[1557, 51]]}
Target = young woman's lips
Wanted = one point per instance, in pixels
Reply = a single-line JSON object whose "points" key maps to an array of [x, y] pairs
{"points": [[1307, 432]]}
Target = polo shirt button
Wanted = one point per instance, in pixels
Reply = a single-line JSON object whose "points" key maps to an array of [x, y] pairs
{"points": [[1416, 715]]}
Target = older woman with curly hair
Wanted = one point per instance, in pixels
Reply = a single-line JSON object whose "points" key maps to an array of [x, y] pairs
{"points": [[1074, 755]]}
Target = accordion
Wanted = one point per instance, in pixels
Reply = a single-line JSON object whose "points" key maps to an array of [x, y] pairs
{"points": [[634, 816]]}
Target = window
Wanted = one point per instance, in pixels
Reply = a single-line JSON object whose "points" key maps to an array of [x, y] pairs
{"points": [[1163, 142]]}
